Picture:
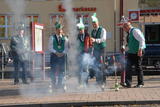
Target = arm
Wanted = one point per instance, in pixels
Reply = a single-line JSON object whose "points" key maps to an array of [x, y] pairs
{"points": [[50, 45], [102, 36], [139, 37], [66, 46], [17, 46], [12, 49], [27, 44], [124, 43], [13, 44]]}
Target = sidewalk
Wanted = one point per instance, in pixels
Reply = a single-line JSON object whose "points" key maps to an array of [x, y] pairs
{"points": [[38, 94]]}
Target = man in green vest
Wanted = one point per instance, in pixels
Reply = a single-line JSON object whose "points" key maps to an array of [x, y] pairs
{"points": [[83, 38], [83, 48], [98, 36], [136, 46], [58, 46]]}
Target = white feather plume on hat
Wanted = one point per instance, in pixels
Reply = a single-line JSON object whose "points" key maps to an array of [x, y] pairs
{"points": [[80, 25], [94, 17]]}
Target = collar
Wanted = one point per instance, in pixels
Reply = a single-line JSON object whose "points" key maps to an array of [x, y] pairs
{"points": [[130, 29], [81, 33], [97, 28], [58, 35], [21, 36]]}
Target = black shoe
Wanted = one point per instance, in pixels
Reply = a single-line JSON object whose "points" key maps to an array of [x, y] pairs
{"points": [[16, 82], [25, 82], [139, 86], [125, 85]]}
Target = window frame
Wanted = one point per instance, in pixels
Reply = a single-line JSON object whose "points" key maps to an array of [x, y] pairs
{"points": [[151, 24], [6, 26], [84, 15], [32, 18], [77, 21]]}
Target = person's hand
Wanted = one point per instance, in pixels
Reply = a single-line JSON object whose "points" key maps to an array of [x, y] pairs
{"points": [[93, 39], [123, 50], [140, 52], [10, 60], [59, 54]]}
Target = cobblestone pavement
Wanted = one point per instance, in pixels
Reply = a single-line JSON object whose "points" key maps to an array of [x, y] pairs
{"points": [[39, 92]]}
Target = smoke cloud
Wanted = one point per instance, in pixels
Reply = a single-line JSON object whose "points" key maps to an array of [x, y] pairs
{"points": [[18, 8], [71, 25], [87, 59]]}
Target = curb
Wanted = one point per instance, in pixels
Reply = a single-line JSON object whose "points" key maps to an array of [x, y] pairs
{"points": [[80, 104]]}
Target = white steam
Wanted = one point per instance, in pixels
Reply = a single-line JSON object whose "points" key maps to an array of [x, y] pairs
{"points": [[18, 9], [71, 25], [88, 59]]}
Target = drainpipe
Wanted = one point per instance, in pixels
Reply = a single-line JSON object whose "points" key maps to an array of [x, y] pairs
{"points": [[115, 9], [120, 15]]}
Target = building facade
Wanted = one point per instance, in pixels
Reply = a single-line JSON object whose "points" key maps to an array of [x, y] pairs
{"points": [[48, 11]]}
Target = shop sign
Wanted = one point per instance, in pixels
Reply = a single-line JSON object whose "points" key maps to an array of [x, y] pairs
{"points": [[134, 15], [77, 9]]}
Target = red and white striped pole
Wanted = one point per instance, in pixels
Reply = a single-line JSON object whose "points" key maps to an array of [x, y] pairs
{"points": [[123, 72]]}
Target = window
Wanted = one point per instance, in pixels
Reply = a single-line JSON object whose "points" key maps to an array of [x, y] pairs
{"points": [[152, 33], [60, 17], [31, 18], [56, 17], [28, 20], [6, 26], [85, 18]]}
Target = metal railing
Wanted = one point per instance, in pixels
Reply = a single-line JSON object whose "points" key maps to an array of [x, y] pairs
{"points": [[4, 55]]}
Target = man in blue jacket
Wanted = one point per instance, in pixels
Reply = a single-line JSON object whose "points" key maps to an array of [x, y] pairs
{"points": [[20, 49]]}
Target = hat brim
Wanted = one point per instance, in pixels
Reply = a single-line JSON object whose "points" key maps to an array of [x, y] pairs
{"points": [[59, 27], [81, 28], [120, 24]]}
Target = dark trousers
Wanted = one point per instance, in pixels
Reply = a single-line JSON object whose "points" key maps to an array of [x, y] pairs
{"points": [[57, 69], [83, 69], [18, 64], [133, 59], [99, 73], [80, 68]]}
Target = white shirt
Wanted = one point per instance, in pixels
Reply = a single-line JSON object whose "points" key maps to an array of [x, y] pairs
{"points": [[50, 45], [102, 36], [139, 37]]}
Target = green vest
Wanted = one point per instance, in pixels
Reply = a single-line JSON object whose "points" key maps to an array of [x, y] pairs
{"points": [[81, 46], [58, 46], [81, 43], [97, 36], [133, 44]]}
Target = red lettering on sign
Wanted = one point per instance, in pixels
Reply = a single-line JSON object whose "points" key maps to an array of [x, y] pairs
{"points": [[62, 9]]}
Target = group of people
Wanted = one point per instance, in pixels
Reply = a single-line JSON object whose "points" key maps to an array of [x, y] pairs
{"points": [[93, 43], [58, 46]]}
